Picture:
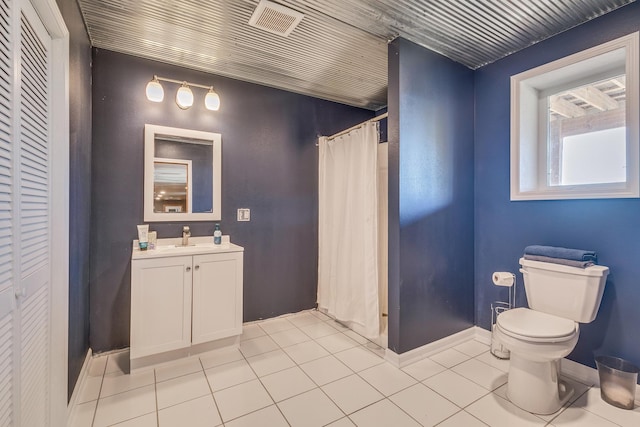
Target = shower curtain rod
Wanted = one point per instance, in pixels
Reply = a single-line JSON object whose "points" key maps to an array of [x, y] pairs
{"points": [[375, 119]]}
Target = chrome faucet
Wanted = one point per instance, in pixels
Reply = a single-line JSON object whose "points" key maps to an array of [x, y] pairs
{"points": [[185, 235]]}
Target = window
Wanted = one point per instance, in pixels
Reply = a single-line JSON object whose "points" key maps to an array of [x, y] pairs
{"points": [[574, 126]]}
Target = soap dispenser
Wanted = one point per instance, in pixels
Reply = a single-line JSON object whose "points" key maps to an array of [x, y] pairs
{"points": [[217, 235]]}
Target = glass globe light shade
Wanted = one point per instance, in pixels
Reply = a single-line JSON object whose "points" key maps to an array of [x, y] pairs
{"points": [[184, 97], [154, 90], [212, 100]]}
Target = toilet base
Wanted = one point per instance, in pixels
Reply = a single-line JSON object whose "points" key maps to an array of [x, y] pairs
{"points": [[536, 386]]}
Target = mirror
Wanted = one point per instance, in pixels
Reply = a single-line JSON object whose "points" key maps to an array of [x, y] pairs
{"points": [[182, 174]]}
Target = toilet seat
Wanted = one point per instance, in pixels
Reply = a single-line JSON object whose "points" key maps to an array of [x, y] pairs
{"points": [[535, 326]]}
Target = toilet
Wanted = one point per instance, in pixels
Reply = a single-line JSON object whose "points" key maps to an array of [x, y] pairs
{"points": [[560, 297]]}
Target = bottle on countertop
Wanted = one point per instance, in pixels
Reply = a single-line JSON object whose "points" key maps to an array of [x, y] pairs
{"points": [[217, 235]]}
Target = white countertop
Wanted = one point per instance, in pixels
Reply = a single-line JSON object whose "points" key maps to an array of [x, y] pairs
{"points": [[173, 247]]}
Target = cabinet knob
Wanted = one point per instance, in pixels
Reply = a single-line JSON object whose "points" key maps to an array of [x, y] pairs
{"points": [[197, 267], [188, 268]]}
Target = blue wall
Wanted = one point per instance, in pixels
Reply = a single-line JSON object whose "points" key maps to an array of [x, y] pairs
{"points": [[503, 228], [430, 132], [269, 164], [79, 186]]}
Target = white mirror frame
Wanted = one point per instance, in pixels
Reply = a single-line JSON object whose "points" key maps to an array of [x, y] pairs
{"points": [[150, 132]]}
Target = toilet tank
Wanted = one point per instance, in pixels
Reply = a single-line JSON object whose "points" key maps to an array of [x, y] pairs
{"points": [[564, 291]]}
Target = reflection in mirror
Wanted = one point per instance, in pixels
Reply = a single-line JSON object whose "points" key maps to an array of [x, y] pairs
{"points": [[199, 153], [171, 185], [182, 174]]}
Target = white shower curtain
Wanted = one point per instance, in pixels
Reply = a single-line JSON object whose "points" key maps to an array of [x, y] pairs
{"points": [[348, 228]]}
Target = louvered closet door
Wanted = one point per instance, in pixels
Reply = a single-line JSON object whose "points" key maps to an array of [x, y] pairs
{"points": [[25, 212], [7, 337], [34, 218]]}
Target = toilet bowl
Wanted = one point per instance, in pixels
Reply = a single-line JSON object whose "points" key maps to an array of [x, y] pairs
{"points": [[537, 342], [560, 297]]}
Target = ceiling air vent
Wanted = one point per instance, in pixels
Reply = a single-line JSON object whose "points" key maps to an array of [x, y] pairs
{"points": [[275, 18]]}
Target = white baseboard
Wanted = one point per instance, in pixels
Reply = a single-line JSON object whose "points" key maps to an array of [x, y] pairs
{"points": [[586, 375], [483, 335], [411, 356], [79, 382], [583, 373]]}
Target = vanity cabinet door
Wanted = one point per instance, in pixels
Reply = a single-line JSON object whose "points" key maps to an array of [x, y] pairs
{"points": [[217, 296], [160, 305]]}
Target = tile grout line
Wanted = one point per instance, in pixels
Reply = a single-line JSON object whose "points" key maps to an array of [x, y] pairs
{"points": [[190, 399], [399, 391], [263, 386], [127, 390], [206, 378], [95, 411], [584, 409], [433, 375], [468, 379], [155, 389], [299, 367], [563, 408], [461, 410], [329, 397], [384, 396], [436, 392], [478, 384], [115, 394], [137, 416], [405, 412], [358, 374], [318, 386], [441, 395], [195, 372]]}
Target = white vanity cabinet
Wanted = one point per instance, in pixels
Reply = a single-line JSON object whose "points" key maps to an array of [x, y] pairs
{"points": [[217, 296], [184, 301], [160, 305]]}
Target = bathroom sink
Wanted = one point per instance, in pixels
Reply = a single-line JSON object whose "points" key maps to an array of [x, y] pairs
{"points": [[165, 247]]}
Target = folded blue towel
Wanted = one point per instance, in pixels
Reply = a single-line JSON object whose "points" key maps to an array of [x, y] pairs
{"points": [[563, 253], [562, 261]]}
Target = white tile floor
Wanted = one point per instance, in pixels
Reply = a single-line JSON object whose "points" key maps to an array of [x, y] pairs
{"points": [[306, 370]]}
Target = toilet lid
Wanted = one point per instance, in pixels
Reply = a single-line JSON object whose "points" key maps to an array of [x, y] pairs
{"points": [[535, 324]]}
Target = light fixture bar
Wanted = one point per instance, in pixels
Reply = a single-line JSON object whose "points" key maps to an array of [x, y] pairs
{"points": [[180, 82]]}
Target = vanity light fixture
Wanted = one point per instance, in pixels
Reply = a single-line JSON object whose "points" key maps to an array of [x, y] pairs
{"points": [[184, 96]]}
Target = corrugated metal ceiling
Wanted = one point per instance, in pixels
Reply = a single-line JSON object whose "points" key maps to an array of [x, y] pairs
{"points": [[339, 50]]}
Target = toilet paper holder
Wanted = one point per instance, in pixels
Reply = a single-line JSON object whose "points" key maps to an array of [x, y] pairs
{"points": [[503, 279]]}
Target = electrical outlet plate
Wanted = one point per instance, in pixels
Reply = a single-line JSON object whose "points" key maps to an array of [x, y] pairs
{"points": [[244, 214]]}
